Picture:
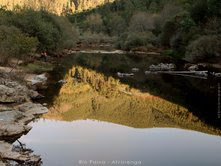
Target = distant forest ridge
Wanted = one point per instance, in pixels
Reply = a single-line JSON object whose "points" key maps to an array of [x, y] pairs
{"points": [[55, 6]]}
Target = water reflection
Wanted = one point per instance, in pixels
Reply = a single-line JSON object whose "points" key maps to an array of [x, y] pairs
{"points": [[65, 143], [92, 95], [95, 116]]}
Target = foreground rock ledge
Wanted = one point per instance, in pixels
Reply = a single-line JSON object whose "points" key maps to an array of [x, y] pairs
{"points": [[10, 153], [16, 111], [13, 122]]}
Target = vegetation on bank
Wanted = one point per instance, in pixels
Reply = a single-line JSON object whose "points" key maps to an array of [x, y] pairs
{"points": [[182, 27], [24, 32], [187, 29]]}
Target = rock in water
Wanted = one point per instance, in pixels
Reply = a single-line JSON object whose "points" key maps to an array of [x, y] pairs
{"points": [[21, 156], [193, 68], [135, 70], [163, 67], [39, 81]]}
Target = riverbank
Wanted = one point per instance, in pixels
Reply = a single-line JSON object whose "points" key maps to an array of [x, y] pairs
{"points": [[17, 110]]}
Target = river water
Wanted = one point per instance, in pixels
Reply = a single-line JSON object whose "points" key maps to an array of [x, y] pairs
{"points": [[96, 118], [87, 142]]}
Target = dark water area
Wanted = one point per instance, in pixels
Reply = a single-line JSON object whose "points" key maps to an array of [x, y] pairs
{"points": [[97, 118], [199, 96]]}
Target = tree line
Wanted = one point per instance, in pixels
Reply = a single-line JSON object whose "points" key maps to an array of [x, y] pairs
{"points": [[25, 32], [187, 29]]}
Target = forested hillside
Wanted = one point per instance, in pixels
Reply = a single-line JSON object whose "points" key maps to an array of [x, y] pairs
{"points": [[182, 29], [187, 29], [24, 32]]}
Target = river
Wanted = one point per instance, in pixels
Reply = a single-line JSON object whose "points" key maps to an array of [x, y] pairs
{"points": [[96, 118]]}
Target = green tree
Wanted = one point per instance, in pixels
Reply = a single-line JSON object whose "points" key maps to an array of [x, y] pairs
{"points": [[14, 43]]}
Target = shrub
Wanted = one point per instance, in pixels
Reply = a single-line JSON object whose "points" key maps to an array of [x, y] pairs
{"points": [[185, 21], [167, 32], [14, 43], [213, 26], [214, 7], [4, 15], [204, 47], [175, 32], [199, 10], [53, 32], [33, 23], [172, 53], [96, 38], [169, 11], [69, 33], [132, 40], [94, 23], [115, 24], [141, 22]]}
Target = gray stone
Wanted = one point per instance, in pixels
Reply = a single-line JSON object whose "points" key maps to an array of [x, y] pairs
{"points": [[12, 92], [163, 67], [31, 108], [7, 94], [193, 68], [135, 70], [2, 164], [8, 152], [34, 79]]}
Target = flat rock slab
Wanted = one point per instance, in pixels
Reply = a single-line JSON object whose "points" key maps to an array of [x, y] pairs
{"points": [[34, 79], [13, 93], [8, 95], [14, 122], [12, 115], [16, 111], [11, 124], [32, 108], [2, 164], [8, 152]]}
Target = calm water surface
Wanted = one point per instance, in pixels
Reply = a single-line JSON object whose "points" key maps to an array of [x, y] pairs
{"points": [[76, 143], [158, 104]]}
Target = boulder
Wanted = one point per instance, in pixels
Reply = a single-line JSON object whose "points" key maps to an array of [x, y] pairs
{"points": [[12, 124], [11, 95], [1, 163], [9, 152], [193, 68], [62, 82], [12, 130], [135, 70], [34, 95], [122, 75], [217, 74], [31, 108], [39, 81], [163, 67]]}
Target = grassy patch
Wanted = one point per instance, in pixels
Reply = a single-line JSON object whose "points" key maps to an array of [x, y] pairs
{"points": [[38, 67]]}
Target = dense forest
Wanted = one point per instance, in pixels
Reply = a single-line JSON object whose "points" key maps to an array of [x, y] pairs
{"points": [[23, 32], [187, 29], [183, 29]]}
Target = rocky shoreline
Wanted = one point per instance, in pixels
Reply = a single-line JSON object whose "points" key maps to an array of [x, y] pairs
{"points": [[17, 110]]}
